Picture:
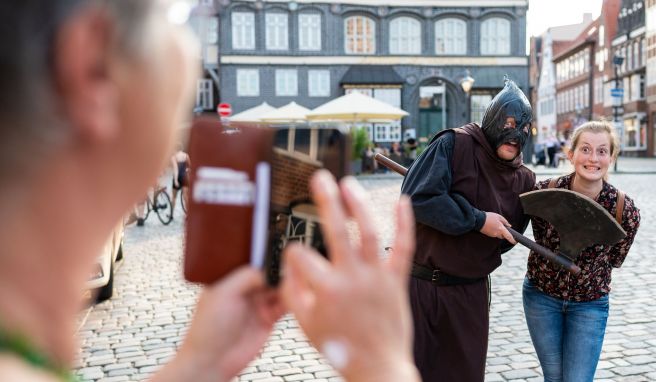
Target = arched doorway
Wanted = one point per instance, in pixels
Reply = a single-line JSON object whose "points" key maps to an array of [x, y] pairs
{"points": [[438, 107]]}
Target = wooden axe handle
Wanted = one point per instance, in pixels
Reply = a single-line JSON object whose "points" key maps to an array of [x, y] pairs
{"points": [[559, 260], [385, 161]]}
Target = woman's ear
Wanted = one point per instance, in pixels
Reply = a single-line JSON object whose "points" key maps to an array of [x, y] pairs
{"points": [[570, 154], [82, 58]]}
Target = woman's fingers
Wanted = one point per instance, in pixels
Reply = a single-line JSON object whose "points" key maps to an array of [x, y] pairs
{"points": [[304, 271], [358, 205], [404, 242], [243, 281], [326, 195]]}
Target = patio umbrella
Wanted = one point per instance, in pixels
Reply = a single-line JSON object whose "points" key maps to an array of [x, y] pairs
{"points": [[292, 112], [356, 107], [253, 114]]}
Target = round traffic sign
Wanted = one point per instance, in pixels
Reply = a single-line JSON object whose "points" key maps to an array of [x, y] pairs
{"points": [[224, 109]]}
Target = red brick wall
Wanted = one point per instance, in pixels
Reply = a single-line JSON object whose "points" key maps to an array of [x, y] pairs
{"points": [[290, 179]]}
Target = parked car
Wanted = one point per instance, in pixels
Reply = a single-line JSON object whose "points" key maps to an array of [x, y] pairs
{"points": [[101, 280]]}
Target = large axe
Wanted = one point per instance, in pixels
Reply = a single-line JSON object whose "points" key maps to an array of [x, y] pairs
{"points": [[548, 204]]}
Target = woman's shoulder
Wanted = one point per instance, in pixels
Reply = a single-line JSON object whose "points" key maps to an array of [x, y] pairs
{"points": [[555, 182]]}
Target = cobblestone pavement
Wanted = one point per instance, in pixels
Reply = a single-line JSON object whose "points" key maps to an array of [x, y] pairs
{"points": [[139, 329]]}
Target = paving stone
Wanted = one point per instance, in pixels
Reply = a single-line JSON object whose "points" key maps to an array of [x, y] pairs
{"points": [[147, 318]]}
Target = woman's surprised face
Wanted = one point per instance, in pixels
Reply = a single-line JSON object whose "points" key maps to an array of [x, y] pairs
{"points": [[592, 156]]}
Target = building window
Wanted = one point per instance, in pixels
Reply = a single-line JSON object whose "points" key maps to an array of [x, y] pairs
{"points": [[248, 82], [276, 31], [387, 132], [450, 36], [479, 103], [309, 36], [636, 55], [634, 137], [243, 30], [286, 82], [204, 96], [319, 83], [405, 36], [495, 36], [360, 32], [212, 30]]}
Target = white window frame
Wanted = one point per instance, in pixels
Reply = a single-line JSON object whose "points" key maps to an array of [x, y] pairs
{"points": [[286, 82], [319, 83], [243, 30], [359, 37], [495, 36], [309, 27], [405, 36], [387, 132], [276, 31], [478, 105], [451, 36], [204, 94], [248, 82]]}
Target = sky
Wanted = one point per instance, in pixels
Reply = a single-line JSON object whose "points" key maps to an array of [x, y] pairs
{"points": [[543, 14]]}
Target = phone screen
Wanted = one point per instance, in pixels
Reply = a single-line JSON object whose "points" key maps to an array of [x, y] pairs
{"points": [[250, 194], [297, 154]]}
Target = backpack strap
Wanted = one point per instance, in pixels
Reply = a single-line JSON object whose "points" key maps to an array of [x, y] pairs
{"points": [[620, 207]]}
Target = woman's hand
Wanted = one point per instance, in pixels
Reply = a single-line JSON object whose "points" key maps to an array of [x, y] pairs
{"points": [[233, 319], [354, 308]]}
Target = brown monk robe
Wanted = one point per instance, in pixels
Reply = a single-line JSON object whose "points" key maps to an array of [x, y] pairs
{"points": [[452, 185]]}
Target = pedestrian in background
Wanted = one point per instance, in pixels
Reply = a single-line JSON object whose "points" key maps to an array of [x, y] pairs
{"points": [[566, 315], [180, 165]]}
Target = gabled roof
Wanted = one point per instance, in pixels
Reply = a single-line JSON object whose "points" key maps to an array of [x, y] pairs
{"points": [[589, 34]]}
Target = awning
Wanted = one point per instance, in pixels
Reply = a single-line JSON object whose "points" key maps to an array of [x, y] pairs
{"points": [[371, 75]]}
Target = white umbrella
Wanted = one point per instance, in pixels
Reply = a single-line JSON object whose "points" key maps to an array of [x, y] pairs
{"points": [[356, 107], [253, 114], [292, 112]]}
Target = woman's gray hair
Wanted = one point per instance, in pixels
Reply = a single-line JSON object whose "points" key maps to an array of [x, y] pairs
{"points": [[30, 124]]}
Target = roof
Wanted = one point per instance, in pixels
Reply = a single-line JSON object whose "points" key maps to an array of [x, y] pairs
{"points": [[588, 35], [569, 32], [371, 75], [610, 9]]}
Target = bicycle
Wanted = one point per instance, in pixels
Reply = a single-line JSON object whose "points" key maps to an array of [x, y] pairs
{"points": [[160, 202]]}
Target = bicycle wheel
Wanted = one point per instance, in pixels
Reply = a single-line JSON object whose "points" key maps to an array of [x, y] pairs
{"points": [[163, 207], [183, 198], [149, 207]]}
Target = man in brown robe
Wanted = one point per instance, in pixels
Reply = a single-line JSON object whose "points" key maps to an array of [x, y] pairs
{"points": [[465, 191]]}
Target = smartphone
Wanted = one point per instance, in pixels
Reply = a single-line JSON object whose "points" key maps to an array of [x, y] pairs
{"points": [[250, 197]]}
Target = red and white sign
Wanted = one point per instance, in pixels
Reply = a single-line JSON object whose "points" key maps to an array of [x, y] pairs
{"points": [[224, 109]]}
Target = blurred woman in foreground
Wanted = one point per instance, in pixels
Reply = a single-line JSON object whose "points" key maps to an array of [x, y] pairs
{"points": [[90, 95]]}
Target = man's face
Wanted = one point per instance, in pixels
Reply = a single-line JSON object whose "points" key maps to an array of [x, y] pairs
{"points": [[509, 150]]}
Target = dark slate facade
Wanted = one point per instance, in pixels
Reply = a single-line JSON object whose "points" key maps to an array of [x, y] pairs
{"points": [[415, 70]]}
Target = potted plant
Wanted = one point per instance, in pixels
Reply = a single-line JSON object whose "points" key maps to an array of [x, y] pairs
{"points": [[360, 139]]}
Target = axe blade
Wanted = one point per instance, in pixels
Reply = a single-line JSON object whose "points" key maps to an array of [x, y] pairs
{"points": [[579, 220]]}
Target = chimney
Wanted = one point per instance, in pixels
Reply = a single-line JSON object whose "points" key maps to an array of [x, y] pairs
{"points": [[587, 18]]}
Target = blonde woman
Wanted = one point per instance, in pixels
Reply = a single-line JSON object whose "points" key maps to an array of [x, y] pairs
{"points": [[566, 315]]}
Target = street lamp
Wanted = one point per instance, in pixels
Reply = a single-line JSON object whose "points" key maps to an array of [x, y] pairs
{"points": [[617, 104], [466, 83]]}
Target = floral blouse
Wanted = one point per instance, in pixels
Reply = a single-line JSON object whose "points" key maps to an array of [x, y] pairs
{"points": [[596, 262]]}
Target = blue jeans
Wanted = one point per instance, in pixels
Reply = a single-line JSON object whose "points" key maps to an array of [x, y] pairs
{"points": [[567, 335]]}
